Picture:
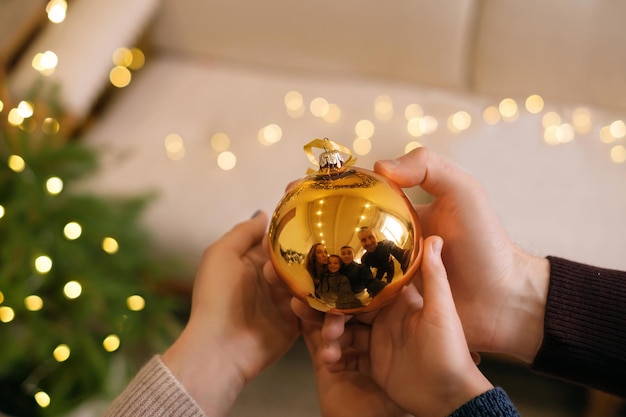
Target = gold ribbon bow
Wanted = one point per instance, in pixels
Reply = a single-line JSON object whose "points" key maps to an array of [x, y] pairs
{"points": [[326, 145]]}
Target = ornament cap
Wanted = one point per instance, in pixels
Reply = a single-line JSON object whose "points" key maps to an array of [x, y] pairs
{"points": [[331, 160]]}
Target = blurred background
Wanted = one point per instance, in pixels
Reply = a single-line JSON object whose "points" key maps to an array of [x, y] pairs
{"points": [[134, 134]]}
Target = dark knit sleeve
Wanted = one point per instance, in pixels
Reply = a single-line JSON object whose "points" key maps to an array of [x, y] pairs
{"points": [[585, 327], [493, 403]]}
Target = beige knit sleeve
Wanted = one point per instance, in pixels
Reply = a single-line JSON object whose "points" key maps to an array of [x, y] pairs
{"points": [[154, 392]]}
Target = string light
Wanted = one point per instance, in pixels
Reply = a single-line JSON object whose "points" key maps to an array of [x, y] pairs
{"points": [[42, 399], [54, 185], [294, 104], [220, 142], [33, 303], [364, 128], [362, 146], [2, 211], [319, 107], [270, 134], [45, 62], [110, 245], [383, 107], [72, 290], [226, 160], [120, 76], [333, 115], [43, 264], [174, 146], [72, 231], [56, 10], [412, 111], [111, 343], [7, 314], [135, 303], [61, 353]]}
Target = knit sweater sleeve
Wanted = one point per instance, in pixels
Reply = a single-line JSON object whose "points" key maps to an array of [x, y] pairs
{"points": [[585, 326], [154, 392], [493, 403]]}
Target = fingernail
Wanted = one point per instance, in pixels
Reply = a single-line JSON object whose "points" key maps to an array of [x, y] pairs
{"points": [[256, 213], [436, 246], [390, 164]]}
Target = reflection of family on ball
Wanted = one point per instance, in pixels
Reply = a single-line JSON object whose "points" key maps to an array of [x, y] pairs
{"points": [[344, 283]]}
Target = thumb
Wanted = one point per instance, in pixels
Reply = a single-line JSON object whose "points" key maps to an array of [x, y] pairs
{"points": [[436, 289], [430, 171]]}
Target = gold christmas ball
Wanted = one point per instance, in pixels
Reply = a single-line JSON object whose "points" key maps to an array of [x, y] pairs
{"points": [[344, 239]]}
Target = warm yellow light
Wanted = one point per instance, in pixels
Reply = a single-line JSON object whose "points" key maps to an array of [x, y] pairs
{"points": [[226, 160], [618, 154], [139, 59], [6, 314], [333, 115], [57, 10], [491, 115], [1, 297], [33, 303], [605, 135], [174, 146], [319, 107], [45, 62], [383, 107], [43, 264], [1, 105], [43, 399], [50, 126], [220, 142], [110, 245], [14, 118], [618, 129], [61, 353], [135, 303], [364, 128], [270, 134], [413, 126], [558, 134], [54, 185], [25, 109], [72, 290], [581, 119], [508, 108], [16, 163], [428, 124], [550, 119], [413, 110], [122, 57], [72, 230], [111, 343], [120, 76], [362, 146], [534, 103], [294, 101], [412, 145], [459, 121]]}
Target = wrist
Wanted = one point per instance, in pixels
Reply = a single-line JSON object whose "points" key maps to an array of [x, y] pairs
{"points": [[532, 275], [199, 366]]}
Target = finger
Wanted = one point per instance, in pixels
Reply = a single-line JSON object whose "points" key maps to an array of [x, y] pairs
{"points": [[306, 313], [270, 274], [426, 169], [333, 327], [245, 235], [436, 288]]}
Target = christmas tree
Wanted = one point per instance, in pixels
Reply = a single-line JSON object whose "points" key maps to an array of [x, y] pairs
{"points": [[82, 304]]}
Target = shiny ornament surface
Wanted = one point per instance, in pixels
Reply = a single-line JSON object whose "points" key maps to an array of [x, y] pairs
{"points": [[336, 207]]}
